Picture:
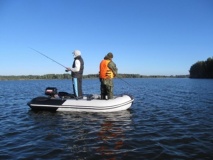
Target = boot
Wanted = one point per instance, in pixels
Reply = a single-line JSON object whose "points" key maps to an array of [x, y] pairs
{"points": [[103, 96]]}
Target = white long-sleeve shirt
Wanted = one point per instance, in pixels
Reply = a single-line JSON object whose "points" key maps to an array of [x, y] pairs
{"points": [[77, 66]]}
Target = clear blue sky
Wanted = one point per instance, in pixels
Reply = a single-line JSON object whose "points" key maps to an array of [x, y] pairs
{"points": [[147, 37]]}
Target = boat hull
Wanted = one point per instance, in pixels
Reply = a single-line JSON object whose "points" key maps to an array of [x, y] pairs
{"points": [[87, 104]]}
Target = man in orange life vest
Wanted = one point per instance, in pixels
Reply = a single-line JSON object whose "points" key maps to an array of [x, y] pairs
{"points": [[108, 71]]}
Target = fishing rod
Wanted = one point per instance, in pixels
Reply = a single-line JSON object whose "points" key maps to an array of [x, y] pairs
{"points": [[48, 57]]}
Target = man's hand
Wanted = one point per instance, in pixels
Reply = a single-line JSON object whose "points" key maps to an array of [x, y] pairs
{"points": [[68, 69]]}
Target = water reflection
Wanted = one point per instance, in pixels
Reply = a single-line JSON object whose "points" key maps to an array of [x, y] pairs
{"points": [[88, 135], [112, 135], [166, 114], [108, 134]]}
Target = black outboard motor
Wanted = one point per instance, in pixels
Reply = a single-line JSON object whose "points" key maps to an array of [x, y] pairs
{"points": [[51, 91]]}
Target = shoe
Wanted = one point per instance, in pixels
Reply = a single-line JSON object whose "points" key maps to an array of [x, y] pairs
{"points": [[79, 97]]}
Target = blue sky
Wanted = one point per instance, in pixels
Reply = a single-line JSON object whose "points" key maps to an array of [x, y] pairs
{"points": [[147, 37]]}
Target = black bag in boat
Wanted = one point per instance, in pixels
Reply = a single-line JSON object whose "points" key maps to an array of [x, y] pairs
{"points": [[65, 95]]}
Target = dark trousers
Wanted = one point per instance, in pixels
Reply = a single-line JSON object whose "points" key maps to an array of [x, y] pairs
{"points": [[77, 87], [106, 90]]}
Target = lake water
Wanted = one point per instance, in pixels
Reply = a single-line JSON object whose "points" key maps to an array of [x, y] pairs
{"points": [[169, 119]]}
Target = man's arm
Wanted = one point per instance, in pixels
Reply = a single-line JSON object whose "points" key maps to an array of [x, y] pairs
{"points": [[77, 66], [113, 67]]}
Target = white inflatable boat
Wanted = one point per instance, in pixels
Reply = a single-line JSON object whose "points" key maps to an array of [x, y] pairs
{"points": [[63, 101]]}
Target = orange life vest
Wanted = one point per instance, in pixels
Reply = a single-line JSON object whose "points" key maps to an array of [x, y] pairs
{"points": [[105, 72]]}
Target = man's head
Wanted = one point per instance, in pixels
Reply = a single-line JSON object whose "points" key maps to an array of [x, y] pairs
{"points": [[76, 53], [110, 55]]}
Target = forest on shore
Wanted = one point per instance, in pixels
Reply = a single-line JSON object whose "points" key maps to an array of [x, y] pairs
{"points": [[68, 76], [202, 69]]}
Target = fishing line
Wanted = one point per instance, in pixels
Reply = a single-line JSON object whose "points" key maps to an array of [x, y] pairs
{"points": [[128, 83], [125, 81], [48, 57]]}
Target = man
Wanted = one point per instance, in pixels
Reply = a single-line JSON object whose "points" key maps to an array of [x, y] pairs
{"points": [[108, 71], [77, 73]]}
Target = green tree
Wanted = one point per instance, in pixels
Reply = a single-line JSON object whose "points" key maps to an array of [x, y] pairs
{"points": [[202, 69]]}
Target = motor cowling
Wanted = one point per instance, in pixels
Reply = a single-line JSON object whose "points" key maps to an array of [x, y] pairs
{"points": [[51, 91]]}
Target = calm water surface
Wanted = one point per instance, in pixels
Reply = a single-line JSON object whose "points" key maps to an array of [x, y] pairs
{"points": [[170, 119]]}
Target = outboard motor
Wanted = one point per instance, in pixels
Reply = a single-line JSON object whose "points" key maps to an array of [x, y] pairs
{"points": [[51, 91]]}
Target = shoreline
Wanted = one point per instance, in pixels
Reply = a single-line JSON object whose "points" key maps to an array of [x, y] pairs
{"points": [[89, 76]]}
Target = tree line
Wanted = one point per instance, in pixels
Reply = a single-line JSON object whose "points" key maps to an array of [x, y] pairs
{"points": [[202, 69], [89, 76]]}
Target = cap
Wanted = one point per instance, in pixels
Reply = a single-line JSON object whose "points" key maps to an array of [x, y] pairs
{"points": [[76, 53], [110, 55]]}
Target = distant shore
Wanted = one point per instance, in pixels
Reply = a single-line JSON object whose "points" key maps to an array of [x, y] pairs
{"points": [[89, 76]]}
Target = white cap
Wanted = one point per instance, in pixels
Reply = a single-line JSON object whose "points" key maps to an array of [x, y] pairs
{"points": [[76, 53]]}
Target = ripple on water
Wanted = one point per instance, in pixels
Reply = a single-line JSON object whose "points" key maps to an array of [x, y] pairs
{"points": [[170, 119]]}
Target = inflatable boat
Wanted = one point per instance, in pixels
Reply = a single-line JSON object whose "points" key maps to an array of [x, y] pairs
{"points": [[63, 101]]}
